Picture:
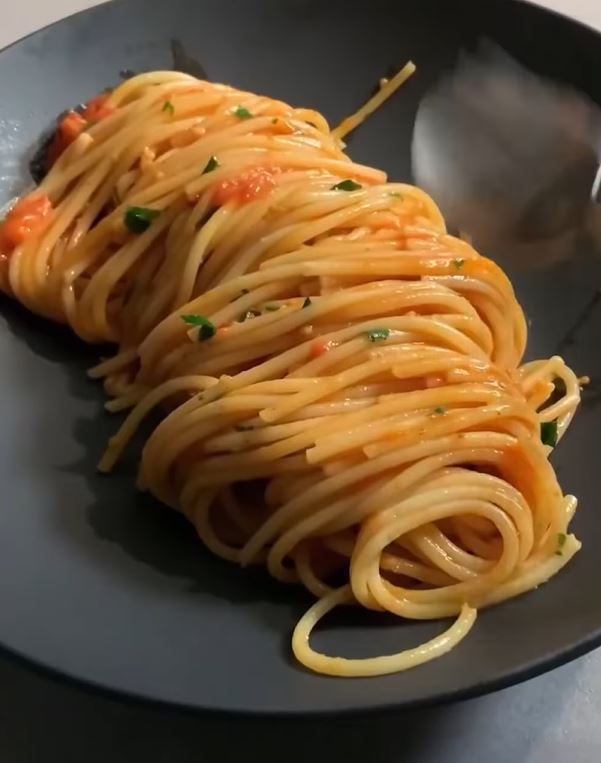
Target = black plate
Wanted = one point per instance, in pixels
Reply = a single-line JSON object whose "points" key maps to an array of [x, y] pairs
{"points": [[101, 584]]}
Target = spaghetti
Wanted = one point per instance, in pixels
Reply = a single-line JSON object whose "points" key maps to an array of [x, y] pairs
{"points": [[340, 378]]}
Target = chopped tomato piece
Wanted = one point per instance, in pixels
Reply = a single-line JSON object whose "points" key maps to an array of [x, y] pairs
{"points": [[29, 216], [97, 109], [73, 124], [251, 184], [69, 128]]}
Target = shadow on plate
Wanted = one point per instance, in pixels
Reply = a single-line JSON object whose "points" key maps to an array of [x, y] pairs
{"points": [[129, 526], [118, 514]]}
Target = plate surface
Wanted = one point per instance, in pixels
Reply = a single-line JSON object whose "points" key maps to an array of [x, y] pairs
{"points": [[101, 584]]}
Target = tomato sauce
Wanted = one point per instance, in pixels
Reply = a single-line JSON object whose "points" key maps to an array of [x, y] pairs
{"points": [[73, 124], [97, 109], [254, 183], [69, 128], [319, 347], [29, 216]]}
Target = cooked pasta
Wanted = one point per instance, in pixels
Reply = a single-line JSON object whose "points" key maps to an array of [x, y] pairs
{"points": [[339, 379]]}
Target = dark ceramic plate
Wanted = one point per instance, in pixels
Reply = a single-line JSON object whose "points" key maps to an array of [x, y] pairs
{"points": [[102, 585]]}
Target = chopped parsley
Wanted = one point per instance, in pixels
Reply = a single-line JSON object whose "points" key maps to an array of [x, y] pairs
{"points": [[548, 433], [439, 410], [458, 263], [396, 194], [168, 106], [138, 219], [274, 121], [242, 113], [377, 335], [307, 302], [561, 539], [272, 307], [206, 329], [211, 165], [346, 185], [248, 314]]}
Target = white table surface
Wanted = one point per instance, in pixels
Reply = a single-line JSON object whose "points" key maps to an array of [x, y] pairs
{"points": [[551, 719]]}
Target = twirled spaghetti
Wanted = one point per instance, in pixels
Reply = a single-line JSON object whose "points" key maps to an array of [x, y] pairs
{"points": [[340, 378]]}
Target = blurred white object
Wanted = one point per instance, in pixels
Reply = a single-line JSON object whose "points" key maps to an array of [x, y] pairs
{"points": [[507, 155], [585, 11]]}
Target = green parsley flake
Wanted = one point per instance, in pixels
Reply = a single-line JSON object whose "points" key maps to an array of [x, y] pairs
{"points": [[458, 263], [377, 335], [274, 121], [439, 410], [396, 194], [168, 106], [272, 307], [307, 302], [206, 329], [346, 185], [548, 433], [242, 113], [138, 219], [561, 539], [211, 165]]}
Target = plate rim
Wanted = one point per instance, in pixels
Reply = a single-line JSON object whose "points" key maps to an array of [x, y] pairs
{"points": [[138, 699]]}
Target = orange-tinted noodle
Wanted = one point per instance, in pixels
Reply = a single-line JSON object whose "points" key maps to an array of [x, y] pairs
{"points": [[340, 379]]}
